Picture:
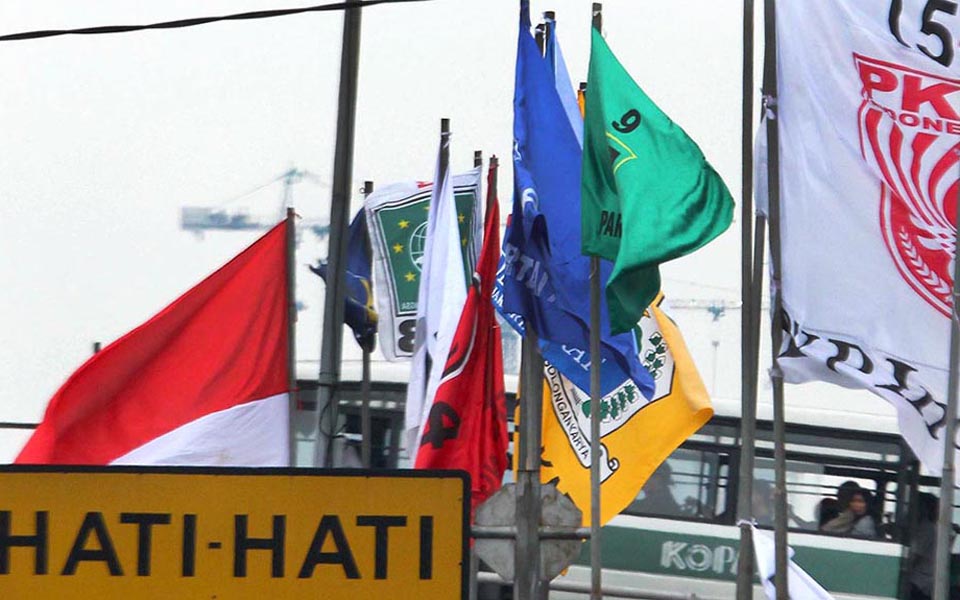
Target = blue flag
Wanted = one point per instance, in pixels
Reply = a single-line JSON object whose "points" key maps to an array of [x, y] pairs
{"points": [[542, 278], [359, 312], [568, 97]]}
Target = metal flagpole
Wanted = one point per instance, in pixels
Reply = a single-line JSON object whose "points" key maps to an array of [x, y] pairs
{"points": [[941, 576], [596, 566], [332, 338], [748, 400], [491, 197], [291, 253], [366, 431], [776, 327], [527, 584], [596, 573]]}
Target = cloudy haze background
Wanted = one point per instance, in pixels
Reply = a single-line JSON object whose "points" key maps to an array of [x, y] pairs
{"points": [[103, 139]]}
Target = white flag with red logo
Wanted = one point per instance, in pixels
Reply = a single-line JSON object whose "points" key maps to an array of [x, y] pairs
{"points": [[441, 295], [203, 382], [466, 427], [869, 138]]}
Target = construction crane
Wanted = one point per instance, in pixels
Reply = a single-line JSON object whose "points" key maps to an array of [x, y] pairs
{"points": [[199, 219], [717, 309]]}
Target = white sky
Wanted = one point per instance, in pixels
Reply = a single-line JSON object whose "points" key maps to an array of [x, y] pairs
{"points": [[104, 138]]}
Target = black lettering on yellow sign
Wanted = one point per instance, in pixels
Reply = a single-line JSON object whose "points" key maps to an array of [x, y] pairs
{"points": [[144, 523], [381, 523], [329, 524], [242, 543], [426, 547], [37, 541], [93, 543], [188, 552], [92, 523]]}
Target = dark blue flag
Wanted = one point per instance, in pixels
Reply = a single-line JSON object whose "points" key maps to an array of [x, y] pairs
{"points": [[359, 312], [543, 279]]}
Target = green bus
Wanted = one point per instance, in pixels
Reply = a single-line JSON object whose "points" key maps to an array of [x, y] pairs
{"points": [[690, 546]]}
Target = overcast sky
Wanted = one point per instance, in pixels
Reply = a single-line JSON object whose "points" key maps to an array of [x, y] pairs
{"points": [[105, 138]]}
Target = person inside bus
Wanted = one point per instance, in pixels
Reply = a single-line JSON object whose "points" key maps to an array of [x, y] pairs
{"points": [[763, 507], [923, 548], [854, 518], [657, 495], [830, 508]]}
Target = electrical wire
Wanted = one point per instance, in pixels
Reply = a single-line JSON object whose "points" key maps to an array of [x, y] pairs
{"points": [[260, 14]]}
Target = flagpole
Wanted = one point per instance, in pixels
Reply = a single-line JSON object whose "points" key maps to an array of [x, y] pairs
{"points": [[291, 253], [527, 582], [332, 337], [941, 575], [776, 326], [365, 429], [596, 565], [748, 399]]}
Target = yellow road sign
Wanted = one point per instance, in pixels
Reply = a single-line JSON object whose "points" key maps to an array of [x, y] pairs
{"points": [[128, 532]]}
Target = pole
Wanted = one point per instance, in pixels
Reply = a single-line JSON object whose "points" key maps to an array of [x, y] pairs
{"points": [[527, 583], [748, 397], [776, 327], [478, 158], [332, 339], [596, 565], [549, 23], [941, 576], [291, 252], [365, 429], [759, 249]]}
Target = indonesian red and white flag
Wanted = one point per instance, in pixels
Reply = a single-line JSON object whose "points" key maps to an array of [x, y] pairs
{"points": [[869, 120], [203, 382], [466, 427]]}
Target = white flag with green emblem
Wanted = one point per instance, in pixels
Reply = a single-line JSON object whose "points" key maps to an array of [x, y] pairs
{"points": [[397, 221]]}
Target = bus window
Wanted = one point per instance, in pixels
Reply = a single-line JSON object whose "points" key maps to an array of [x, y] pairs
{"points": [[691, 484], [828, 498]]}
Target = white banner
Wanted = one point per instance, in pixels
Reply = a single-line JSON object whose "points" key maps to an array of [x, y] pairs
{"points": [[869, 130], [800, 585], [397, 222]]}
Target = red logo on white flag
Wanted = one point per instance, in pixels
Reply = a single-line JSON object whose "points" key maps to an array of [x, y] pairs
{"points": [[910, 135]]}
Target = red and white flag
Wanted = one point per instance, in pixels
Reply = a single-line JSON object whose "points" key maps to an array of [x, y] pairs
{"points": [[203, 382], [466, 427]]}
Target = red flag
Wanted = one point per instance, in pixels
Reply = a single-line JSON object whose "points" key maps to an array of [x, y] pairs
{"points": [[203, 382], [467, 425]]}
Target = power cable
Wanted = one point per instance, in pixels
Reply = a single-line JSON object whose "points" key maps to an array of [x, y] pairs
{"points": [[259, 14]]}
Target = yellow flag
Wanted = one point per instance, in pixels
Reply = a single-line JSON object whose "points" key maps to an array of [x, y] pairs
{"points": [[636, 434]]}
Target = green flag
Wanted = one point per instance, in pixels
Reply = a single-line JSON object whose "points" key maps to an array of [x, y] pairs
{"points": [[648, 195]]}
